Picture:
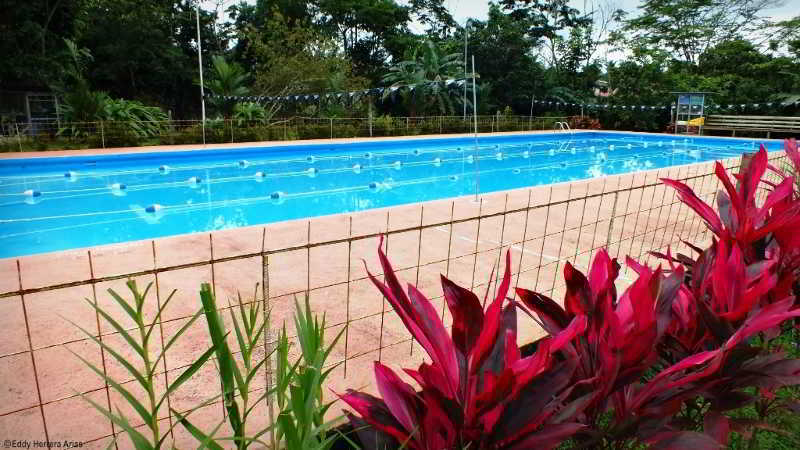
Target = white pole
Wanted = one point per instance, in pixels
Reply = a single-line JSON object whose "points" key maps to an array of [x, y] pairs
{"points": [[475, 124], [466, 36], [200, 65]]}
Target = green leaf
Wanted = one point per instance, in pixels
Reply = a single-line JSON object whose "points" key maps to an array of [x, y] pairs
{"points": [[140, 409], [117, 327], [206, 441], [158, 314], [139, 441], [133, 371], [175, 337], [124, 304], [183, 377], [240, 338]]}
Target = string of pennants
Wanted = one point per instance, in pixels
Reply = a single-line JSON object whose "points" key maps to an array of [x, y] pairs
{"points": [[663, 107], [336, 96]]}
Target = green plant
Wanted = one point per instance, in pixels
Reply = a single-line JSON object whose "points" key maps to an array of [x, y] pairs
{"points": [[250, 327], [227, 80], [424, 79], [141, 340], [249, 113], [141, 120], [301, 423]]}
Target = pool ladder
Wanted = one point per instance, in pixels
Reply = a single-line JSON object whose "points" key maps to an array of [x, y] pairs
{"points": [[564, 126]]}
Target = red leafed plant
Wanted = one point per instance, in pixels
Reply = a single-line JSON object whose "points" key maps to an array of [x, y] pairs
{"points": [[478, 390], [621, 365], [657, 365]]}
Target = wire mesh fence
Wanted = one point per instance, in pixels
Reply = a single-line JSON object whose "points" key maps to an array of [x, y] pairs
{"points": [[44, 135], [327, 259]]}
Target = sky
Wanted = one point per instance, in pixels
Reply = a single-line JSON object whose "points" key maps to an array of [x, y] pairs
{"points": [[478, 9]]}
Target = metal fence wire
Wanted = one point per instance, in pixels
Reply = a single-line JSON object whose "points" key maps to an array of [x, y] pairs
{"points": [[325, 258], [42, 135]]}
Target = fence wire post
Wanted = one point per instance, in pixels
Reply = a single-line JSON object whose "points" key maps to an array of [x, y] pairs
{"points": [[102, 135], [331, 121], [611, 220], [232, 131], [19, 139]]}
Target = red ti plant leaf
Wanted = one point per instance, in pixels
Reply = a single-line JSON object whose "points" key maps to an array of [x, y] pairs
{"points": [[467, 313], [702, 209], [681, 440], [421, 319], [399, 397], [492, 324], [790, 146], [717, 426], [477, 390]]}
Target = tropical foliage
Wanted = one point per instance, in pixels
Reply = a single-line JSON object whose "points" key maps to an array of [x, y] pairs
{"points": [[524, 50], [425, 80], [662, 364]]}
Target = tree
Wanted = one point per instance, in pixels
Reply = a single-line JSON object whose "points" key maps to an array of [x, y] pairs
{"points": [[368, 31], [687, 28], [505, 58], [303, 60], [434, 15], [423, 79], [32, 37], [227, 80]]}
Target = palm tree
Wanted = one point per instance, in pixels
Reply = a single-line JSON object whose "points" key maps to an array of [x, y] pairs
{"points": [[422, 80], [227, 80]]}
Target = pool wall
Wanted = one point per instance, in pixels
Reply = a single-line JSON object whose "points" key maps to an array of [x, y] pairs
{"points": [[325, 257]]}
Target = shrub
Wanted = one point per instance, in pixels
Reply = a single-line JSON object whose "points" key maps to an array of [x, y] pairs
{"points": [[659, 365], [478, 391]]}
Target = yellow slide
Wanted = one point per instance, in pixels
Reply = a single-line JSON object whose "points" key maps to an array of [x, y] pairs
{"points": [[699, 122]]}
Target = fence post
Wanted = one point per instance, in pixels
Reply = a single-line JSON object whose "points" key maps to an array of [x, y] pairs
{"points": [[102, 135], [406, 125], [331, 120], [611, 220], [19, 139], [370, 117]]}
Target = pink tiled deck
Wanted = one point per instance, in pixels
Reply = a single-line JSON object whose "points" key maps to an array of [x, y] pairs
{"points": [[543, 227]]}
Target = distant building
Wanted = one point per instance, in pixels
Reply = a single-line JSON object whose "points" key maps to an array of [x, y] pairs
{"points": [[29, 110]]}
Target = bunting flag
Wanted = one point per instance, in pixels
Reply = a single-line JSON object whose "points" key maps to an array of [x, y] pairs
{"points": [[710, 107], [354, 95], [455, 84]]}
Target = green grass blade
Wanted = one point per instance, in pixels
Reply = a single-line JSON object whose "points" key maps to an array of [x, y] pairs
{"points": [[175, 424]]}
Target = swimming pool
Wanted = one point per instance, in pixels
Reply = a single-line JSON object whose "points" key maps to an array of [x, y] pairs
{"points": [[59, 203]]}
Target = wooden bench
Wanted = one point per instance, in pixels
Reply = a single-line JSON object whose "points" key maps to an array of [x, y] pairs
{"points": [[770, 124]]}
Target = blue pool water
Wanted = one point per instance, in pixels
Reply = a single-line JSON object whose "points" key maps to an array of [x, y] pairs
{"points": [[57, 203]]}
